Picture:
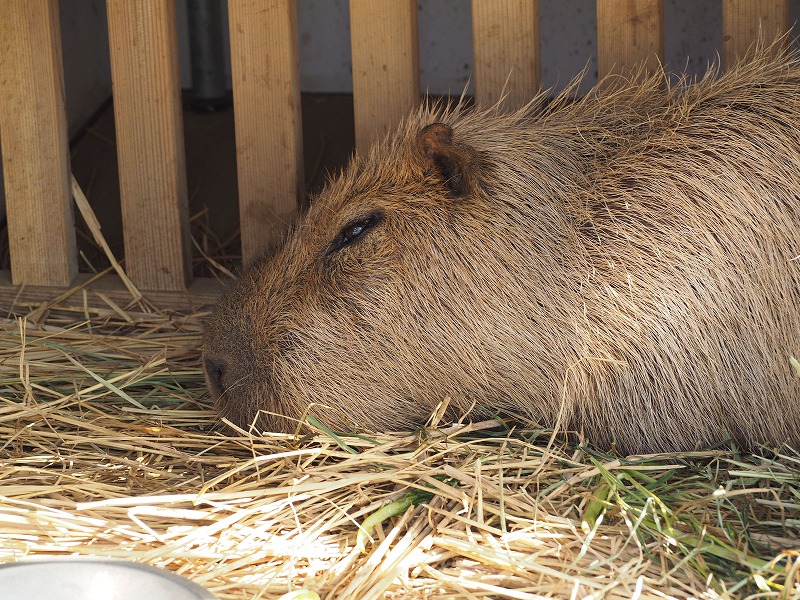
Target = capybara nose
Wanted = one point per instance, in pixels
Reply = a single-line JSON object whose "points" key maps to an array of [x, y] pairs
{"points": [[215, 373]]}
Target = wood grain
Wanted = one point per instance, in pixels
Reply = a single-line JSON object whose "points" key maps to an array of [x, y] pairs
{"points": [[506, 51], [743, 21], [150, 151], [266, 95], [630, 33], [383, 38], [41, 232]]}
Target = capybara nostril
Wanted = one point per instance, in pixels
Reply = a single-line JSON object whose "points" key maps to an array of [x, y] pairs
{"points": [[623, 264], [215, 374]]}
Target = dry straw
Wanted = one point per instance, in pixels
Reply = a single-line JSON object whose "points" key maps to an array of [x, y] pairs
{"points": [[108, 448]]}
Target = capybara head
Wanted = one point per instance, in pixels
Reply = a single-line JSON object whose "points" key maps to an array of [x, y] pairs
{"points": [[624, 265]]}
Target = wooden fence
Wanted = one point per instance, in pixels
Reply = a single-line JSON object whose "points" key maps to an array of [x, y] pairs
{"points": [[266, 89]]}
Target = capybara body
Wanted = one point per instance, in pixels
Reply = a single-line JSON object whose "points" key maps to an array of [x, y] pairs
{"points": [[625, 266]]}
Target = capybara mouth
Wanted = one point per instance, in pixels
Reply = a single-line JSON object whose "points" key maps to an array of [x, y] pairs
{"points": [[231, 392]]}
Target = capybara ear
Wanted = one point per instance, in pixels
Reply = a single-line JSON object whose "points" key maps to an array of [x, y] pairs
{"points": [[454, 162]]}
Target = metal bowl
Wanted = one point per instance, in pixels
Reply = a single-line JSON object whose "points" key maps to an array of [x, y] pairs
{"points": [[89, 578]]}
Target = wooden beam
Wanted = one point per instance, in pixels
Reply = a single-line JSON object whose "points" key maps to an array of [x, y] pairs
{"points": [[269, 141], [630, 33], [383, 37], [150, 150], [506, 51], [41, 231], [88, 291], [744, 22]]}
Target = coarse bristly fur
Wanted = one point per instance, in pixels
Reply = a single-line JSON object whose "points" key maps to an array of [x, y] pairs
{"points": [[624, 265]]}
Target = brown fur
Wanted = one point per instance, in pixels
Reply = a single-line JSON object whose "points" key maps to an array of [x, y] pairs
{"points": [[624, 265]]}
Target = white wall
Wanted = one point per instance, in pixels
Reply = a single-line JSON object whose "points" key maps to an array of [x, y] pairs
{"points": [[693, 36]]}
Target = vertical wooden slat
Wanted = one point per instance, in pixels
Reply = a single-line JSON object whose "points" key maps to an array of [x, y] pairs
{"points": [[33, 127], [383, 37], [506, 50], [266, 95], [743, 21], [150, 151], [629, 33]]}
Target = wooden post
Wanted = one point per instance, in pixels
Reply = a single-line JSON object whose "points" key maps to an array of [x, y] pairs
{"points": [[745, 21], [506, 48], [269, 141], [630, 33], [383, 36], [41, 232], [150, 150]]}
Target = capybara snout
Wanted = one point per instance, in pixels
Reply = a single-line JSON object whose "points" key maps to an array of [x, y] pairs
{"points": [[624, 265]]}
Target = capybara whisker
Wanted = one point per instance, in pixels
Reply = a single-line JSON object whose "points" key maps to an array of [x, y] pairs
{"points": [[622, 265]]}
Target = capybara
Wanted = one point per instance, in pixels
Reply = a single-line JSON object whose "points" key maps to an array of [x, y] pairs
{"points": [[624, 265]]}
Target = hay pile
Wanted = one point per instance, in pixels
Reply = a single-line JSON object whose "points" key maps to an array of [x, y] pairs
{"points": [[109, 448]]}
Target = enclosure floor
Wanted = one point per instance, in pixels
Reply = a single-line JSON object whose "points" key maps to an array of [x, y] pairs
{"points": [[328, 142]]}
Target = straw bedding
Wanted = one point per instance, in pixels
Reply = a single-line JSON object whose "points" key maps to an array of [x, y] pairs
{"points": [[108, 447]]}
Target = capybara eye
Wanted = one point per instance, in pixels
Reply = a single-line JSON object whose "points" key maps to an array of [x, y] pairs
{"points": [[354, 230]]}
